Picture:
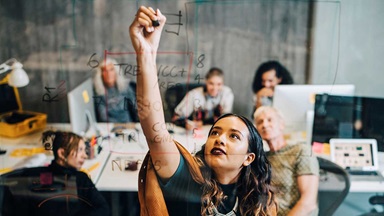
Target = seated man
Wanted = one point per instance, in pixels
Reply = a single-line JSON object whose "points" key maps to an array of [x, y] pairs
{"points": [[203, 105], [114, 99], [295, 170]]}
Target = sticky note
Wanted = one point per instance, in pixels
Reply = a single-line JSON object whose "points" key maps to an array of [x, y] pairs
{"points": [[85, 96], [312, 98], [317, 147], [326, 149]]}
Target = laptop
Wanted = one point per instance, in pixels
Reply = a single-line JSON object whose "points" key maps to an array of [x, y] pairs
{"points": [[358, 156]]}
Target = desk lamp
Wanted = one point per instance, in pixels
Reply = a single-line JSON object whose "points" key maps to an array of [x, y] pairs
{"points": [[18, 77]]}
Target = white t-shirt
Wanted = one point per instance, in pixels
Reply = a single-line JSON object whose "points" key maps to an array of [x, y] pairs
{"points": [[198, 99]]}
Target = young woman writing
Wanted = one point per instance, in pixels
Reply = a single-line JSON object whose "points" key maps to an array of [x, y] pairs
{"points": [[229, 176]]}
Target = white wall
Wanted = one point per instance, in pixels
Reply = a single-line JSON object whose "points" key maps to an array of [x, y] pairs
{"points": [[348, 45]]}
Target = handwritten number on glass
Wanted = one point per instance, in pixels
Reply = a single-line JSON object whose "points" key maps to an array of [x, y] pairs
{"points": [[92, 62]]}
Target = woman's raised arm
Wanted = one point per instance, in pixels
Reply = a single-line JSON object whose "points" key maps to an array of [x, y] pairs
{"points": [[145, 39]]}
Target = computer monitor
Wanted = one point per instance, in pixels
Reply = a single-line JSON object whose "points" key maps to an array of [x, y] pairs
{"points": [[294, 102], [81, 108], [348, 117]]}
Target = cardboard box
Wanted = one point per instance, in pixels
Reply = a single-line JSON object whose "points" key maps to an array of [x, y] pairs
{"points": [[14, 122]]}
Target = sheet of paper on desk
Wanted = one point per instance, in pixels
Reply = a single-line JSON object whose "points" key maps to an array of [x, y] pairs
{"points": [[31, 161]]}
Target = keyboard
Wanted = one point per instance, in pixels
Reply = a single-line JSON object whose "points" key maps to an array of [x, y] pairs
{"points": [[363, 173]]}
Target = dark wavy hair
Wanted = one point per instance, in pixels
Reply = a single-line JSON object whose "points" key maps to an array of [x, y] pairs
{"points": [[254, 189], [281, 72]]}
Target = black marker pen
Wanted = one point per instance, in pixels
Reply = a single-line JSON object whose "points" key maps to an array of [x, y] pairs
{"points": [[155, 23]]}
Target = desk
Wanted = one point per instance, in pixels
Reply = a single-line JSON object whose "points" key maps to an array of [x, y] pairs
{"points": [[116, 178], [120, 149], [32, 141], [356, 186], [110, 174], [332, 184]]}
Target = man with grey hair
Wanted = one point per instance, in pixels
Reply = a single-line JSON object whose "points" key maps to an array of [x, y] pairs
{"points": [[295, 170]]}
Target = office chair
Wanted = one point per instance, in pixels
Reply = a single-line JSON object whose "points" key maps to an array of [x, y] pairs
{"points": [[330, 200], [175, 94], [375, 200], [37, 191]]}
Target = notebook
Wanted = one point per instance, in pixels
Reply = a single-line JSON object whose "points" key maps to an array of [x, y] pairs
{"points": [[358, 156]]}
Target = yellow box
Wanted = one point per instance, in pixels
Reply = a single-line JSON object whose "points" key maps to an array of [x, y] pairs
{"points": [[14, 122]]}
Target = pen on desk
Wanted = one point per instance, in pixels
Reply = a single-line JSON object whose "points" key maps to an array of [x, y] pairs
{"points": [[93, 141], [112, 135], [93, 167]]}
